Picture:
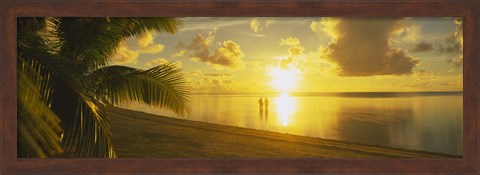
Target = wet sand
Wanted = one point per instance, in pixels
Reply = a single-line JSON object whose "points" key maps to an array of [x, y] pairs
{"points": [[142, 135]]}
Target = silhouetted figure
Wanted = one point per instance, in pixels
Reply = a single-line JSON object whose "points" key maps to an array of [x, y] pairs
{"points": [[266, 103], [266, 113], [260, 103], [260, 113]]}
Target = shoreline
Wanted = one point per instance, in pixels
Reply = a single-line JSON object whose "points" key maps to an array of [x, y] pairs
{"points": [[153, 136]]}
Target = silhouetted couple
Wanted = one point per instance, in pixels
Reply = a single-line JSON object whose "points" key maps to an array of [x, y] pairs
{"points": [[263, 103]]}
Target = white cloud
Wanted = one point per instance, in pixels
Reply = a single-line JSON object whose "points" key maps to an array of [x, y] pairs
{"points": [[179, 53], [160, 61], [146, 44], [256, 25], [290, 41], [326, 26], [406, 31], [228, 55], [124, 55], [152, 49], [146, 39], [211, 81], [294, 51]]}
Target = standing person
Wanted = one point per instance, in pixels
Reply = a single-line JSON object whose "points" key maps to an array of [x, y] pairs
{"points": [[266, 108], [266, 103], [260, 102]]}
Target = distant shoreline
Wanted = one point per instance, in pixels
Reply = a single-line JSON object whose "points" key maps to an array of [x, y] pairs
{"points": [[352, 94], [142, 135]]}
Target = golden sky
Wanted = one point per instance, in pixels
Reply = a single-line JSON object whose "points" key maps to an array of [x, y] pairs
{"points": [[314, 54]]}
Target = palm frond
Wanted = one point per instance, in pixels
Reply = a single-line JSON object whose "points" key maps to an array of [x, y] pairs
{"points": [[138, 26], [30, 25], [38, 126], [162, 86], [92, 41], [63, 98], [86, 125]]}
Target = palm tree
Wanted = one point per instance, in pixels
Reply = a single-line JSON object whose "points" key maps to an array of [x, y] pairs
{"points": [[65, 83]]}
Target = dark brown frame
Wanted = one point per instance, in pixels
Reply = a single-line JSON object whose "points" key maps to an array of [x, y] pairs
{"points": [[9, 10]]}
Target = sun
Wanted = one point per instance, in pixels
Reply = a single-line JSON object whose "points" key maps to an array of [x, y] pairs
{"points": [[284, 79]]}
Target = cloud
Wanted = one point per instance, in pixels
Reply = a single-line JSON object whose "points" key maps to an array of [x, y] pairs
{"points": [[179, 53], [454, 41], [420, 83], [269, 22], [290, 41], [152, 49], [146, 44], [196, 72], [459, 31], [422, 73], [286, 62], [451, 45], [326, 26], [160, 61], [362, 47], [458, 61], [218, 74], [146, 39], [255, 25], [258, 26], [198, 47], [458, 82], [156, 62], [259, 65], [212, 82], [422, 47], [421, 80], [227, 55], [449, 48], [294, 50], [209, 23], [408, 32], [124, 55], [254, 35]]}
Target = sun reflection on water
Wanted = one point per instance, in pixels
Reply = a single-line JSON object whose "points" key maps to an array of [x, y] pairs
{"points": [[285, 108]]}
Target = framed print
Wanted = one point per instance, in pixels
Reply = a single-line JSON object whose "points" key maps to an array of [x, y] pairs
{"points": [[239, 87]]}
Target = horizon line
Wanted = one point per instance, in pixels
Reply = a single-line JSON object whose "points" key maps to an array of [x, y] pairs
{"points": [[329, 92]]}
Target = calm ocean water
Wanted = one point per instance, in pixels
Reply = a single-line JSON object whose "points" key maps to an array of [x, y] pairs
{"points": [[428, 121]]}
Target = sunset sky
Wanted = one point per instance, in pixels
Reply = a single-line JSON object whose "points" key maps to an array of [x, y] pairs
{"points": [[240, 54]]}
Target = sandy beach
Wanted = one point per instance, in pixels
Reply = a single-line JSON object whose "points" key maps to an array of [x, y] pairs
{"points": [[142, 135]]}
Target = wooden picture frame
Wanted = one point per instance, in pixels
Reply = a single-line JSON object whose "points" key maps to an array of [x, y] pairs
{"points": [[10, 10]]}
